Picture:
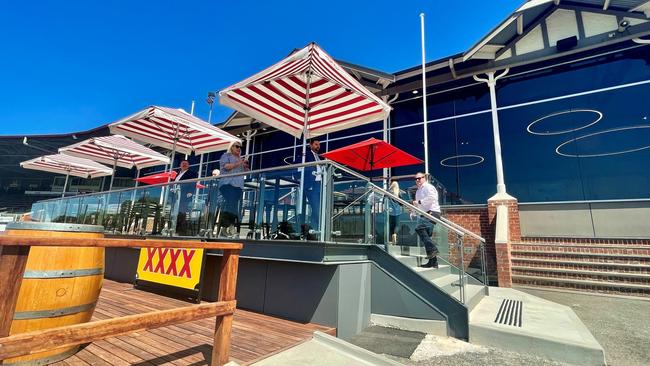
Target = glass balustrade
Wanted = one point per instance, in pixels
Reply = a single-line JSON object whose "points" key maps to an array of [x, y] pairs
{"points": [[315, 201]]}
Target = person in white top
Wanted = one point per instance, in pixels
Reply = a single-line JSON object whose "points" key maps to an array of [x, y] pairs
{"points": [[426, 199]]}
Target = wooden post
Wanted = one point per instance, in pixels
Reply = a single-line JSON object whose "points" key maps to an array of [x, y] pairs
{"points": [[227, 289], [12, 267]]}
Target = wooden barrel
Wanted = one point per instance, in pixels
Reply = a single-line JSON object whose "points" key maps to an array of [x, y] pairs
{"points": [[60, 287]]}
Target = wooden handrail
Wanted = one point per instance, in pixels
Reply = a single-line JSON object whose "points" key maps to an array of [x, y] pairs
{"points": [[14, 251], [47, 241], [42, 340]]}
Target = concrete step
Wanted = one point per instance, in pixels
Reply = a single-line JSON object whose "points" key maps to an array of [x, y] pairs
{"points": [[584, 265], [433, 273], [449, 283], [474, 294], [583, 284], [520, 322], [326, 350]]}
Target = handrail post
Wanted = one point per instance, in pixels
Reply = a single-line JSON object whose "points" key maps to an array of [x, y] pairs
{"points": [[484, 267], [13, 260], [461, 266], [227, 289]]}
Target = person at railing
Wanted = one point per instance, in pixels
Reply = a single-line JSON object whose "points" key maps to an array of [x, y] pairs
{"points": [[426, 199], [312, 185], [394, 210], [231, 189], [184, 196]]}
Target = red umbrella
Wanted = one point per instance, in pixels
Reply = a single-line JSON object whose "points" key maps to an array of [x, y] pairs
{"points": [[372, 154], [163, 177]]}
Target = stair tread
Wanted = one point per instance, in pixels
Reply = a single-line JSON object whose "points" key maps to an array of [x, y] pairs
{"points": [[581, 262], [564, 270], [582, 282]]}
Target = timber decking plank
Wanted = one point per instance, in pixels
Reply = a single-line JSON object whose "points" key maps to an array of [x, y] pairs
{"points": [[254, 336]]}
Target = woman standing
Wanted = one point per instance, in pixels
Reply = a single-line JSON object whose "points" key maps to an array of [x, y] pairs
{"points": [[231, 188], [394, 210]]}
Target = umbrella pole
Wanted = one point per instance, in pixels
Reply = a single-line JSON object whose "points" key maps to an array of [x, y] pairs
{"points": [[136, 178], [110, 187], [373, 205], [304, 154], [65, 184]]}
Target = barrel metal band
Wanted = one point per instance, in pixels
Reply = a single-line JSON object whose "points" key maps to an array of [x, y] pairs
{"points": [[23, 315], [47, 360], [65, 273]]}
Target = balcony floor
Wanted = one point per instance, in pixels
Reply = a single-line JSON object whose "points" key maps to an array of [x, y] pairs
{"points": [[254, 336]]}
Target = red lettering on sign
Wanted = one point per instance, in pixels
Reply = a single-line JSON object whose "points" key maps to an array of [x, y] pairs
{"points": [[174, 254], [149, 264], [162, 254], [187, 258]]}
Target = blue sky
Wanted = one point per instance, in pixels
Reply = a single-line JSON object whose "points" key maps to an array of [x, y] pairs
{"points": [[69, 66]]}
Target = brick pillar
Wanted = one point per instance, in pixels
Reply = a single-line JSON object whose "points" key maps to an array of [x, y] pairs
{"points": [[503, 256]]}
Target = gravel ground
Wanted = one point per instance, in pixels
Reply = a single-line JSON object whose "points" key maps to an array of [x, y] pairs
{"points": [[620, 324]]}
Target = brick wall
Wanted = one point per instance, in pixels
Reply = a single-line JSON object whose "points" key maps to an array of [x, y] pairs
{"points": [[476, 220], [482, 221]]}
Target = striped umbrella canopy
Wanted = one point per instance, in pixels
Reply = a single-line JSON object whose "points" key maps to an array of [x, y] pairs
{"points": [[68, 165], [116, 150], [173, 129], [306, 94]]}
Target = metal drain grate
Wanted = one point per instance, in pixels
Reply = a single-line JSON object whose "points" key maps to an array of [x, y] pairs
{"points": [[510, 313]]}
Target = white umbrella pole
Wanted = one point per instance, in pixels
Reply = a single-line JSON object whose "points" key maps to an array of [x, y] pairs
{"points": [[200, 167], [110, 187], [65, 184], [171, 161], [304, 152], [136, 178]]}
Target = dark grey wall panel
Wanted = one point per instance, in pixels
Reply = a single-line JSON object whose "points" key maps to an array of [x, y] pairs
{"points": [[391, 298], [251, 284], [121, 264], [303, 292], [354, 299]]}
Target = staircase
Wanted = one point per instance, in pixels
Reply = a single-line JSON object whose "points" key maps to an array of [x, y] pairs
{"points": [[606, 266], [445, 277]]}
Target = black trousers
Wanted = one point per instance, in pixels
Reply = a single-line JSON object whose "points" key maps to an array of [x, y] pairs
{"points": [[231, 206]]}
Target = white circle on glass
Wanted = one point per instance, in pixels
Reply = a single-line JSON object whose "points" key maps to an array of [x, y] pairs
{"points": [[598, 114], [613, 130], [479, 160]]}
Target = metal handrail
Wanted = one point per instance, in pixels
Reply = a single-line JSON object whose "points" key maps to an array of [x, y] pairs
{"points": [[202, 179], [444, 222]]}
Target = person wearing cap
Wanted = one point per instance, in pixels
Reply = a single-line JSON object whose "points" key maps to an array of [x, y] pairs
{"points": [[426, 199], [232, 162]]}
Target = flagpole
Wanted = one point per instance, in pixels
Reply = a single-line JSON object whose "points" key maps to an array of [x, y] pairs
{"points": [[424, 99]]}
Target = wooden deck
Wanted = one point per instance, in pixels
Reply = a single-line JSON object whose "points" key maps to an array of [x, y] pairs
{"points": [[254, 336]]}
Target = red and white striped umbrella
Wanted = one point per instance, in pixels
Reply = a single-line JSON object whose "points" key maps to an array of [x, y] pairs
{"points": [[68, 165], [173, 129], [307, 94], [65, 164], [116, 150]]}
